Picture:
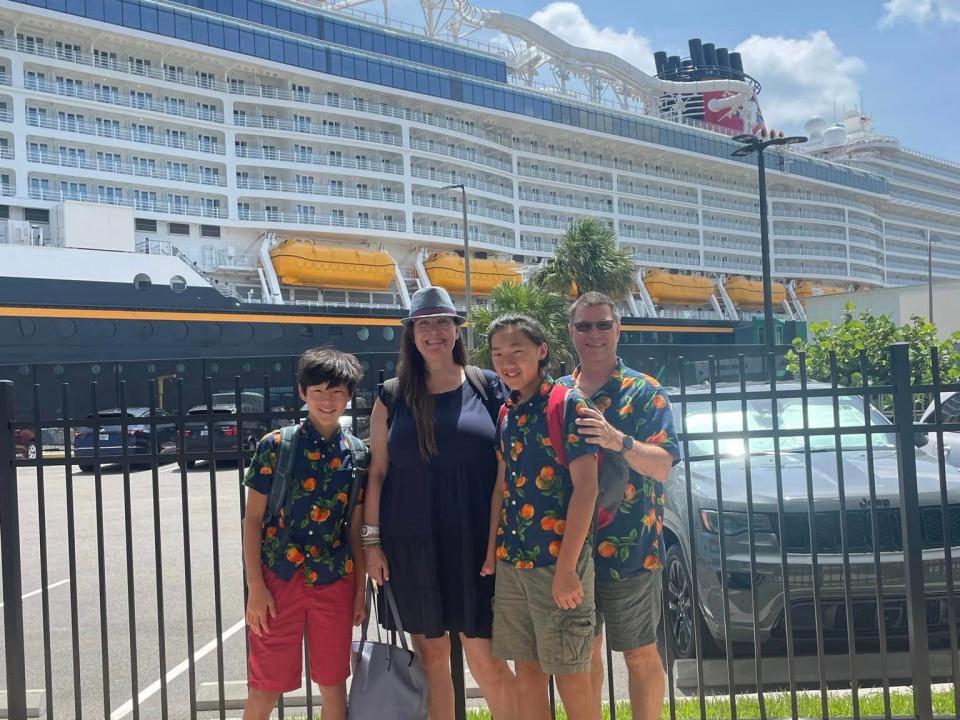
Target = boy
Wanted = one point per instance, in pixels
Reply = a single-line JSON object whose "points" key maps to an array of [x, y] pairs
{"points": [[304, 572]]}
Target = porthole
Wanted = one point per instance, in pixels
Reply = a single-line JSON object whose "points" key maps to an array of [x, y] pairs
{"points": [[277, 367], [390, 366], [58, 369], [151, 369], [67, 328], [363, 333], [215, 367], [389, 334], [247, 367], [27, 327], [178, 283], [95, 369], [24, 369], [142, 281], [181, 368]]}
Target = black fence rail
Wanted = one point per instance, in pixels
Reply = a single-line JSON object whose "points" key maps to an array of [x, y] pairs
{"points": [[811, 540]]}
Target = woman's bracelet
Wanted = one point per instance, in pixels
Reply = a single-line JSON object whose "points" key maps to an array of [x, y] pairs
{"points": [[370, 542]]}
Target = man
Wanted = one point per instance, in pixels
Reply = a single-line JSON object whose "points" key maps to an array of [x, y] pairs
{"points": [[634, 427]]}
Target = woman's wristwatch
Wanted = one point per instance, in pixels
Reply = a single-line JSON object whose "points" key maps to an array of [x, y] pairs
{"points": [[370, 535]]}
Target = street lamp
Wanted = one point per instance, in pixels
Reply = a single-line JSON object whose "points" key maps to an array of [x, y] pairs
{"points": [[930, 242], [751, 144], [466, 261]]}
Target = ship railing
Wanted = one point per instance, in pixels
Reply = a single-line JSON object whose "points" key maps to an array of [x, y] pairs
{"points": [[120, 133], [311, 128], [564, 202], [6, 115], [307, 218], [6, 153], [629, 189], [855, 236], [782, 229], [923, 200], [77, 90], [867, 258], [788, 267], [548, 246], [800, 214], [477, 210], [749, 208], [933, 225], [540, 222], [452, 177], [739, 227], [812, 250], [323, 160], [865, 222], [457, 234], [468, 154], [656, 216], [659, 237], [732, 246], [304, 188], [564, 178], [123, 168], [802, 196], [168, 208], [910, 180], [6, 78]]}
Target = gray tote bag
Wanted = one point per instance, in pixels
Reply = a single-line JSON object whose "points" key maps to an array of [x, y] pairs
{"points": [[388, 681]]}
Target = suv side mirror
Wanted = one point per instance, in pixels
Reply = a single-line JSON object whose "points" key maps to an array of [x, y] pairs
{"points": [[921, 439]]}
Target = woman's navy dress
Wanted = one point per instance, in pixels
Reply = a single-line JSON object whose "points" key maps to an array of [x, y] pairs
{"points": [[435, 516]]}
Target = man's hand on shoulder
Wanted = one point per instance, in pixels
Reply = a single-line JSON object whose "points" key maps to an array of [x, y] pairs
{"points": [[595, 429]]}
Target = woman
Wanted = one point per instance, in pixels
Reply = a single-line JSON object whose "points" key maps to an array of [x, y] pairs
{"points": [[432, 471]]}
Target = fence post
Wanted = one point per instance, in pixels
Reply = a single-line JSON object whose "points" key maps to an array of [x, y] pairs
{"points": [[10, 542], [911, 523]]}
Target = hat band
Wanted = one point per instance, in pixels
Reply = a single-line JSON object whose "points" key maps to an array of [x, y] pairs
{"points": [[434, 311]]}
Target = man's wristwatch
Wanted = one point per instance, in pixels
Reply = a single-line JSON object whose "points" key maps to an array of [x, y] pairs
{"points": [[627, 444]]}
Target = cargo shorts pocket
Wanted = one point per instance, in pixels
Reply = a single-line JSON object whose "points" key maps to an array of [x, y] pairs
{"points": [[575, 630]]}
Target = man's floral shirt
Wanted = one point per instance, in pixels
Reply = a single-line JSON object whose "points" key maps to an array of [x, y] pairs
{"points": [[630, 541], [538, 488], [320, 480]]}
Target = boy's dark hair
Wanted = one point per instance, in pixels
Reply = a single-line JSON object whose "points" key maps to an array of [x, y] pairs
{"points": [[530, 327], [592, 299], [326, 366]]}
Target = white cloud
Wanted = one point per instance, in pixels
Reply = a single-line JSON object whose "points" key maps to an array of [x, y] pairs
{"points": [[567, 21], [801, 77], [920, 12]]}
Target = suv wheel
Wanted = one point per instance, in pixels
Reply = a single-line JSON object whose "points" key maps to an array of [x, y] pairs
{"points": [[681, 615]]}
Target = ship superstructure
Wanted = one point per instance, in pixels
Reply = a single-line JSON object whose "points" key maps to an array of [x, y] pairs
{"points": [[293, 154]]}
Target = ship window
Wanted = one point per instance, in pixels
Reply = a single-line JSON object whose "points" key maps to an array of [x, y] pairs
{"points": [[35, 215], [178, 284], [210, 231], [144, 225], [141, 281], [388, 334], [4, 212], [178, 228], [363, 333]]}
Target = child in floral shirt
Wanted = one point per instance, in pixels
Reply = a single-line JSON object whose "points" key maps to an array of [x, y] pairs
{"points": [[310, 580], [541, 515]]}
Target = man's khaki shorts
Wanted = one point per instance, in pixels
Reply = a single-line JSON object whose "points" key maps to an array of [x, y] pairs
{"points": [[528, 625], [631, 610]]}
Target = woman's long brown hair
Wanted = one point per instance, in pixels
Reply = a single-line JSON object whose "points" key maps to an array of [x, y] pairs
{"points": [[412, 380]]}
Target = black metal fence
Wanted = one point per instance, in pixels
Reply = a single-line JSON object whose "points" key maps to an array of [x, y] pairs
{"points": [[811, 547]]}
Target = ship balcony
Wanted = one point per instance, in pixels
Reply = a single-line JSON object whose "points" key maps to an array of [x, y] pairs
{"points": [[862, 238], [865, 273], [126, 98], [5, 78], [473, 209], [78, 159], [723, 262], [924, 222], [658, 257], [708, 200], [562, 224], [537, 243], [821, 198], [865, 222], [630, 188], [936, 166], [191, 207], [468, 154], [900, 249], [677, 237], [556, 199], [317, 217], [925, 200], [6, 112], [905, 233], [744, 227], [305, 126], [318, 188], [916, 181], [659, 215], [723, 243], [564, 177], [453, 177], [823, 232], [809, 269], [865, 257], [111, 131], [809, 250], [894, 262], [454, 232], [792, 211], [377, 165], [7, 189]]}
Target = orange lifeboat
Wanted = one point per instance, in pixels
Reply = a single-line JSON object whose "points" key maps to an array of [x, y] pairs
{"points": [[668, 288], [806, 288], [302, 262], [447, 270], [748, 293]]}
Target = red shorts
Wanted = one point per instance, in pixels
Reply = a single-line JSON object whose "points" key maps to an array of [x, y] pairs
{"points": [[325, 612]]}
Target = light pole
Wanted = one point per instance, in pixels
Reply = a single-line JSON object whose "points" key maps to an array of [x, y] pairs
{"points": [[466, 262], [751, 144], [930, 242]]}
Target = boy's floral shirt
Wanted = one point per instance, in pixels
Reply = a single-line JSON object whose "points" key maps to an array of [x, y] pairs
{"points": [[631, 542], [320, 480], [538, 488]]}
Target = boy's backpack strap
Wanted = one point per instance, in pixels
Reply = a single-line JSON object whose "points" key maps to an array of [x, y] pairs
{"points": [[556, 412], [388, 396], [279, 488], [480, 382], [359, 464]]}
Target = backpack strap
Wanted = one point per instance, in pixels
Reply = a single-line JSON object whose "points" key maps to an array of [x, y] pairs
{"points": [[388, 396], [556, 412], [280, 485], [480, 382], [359, 464]]}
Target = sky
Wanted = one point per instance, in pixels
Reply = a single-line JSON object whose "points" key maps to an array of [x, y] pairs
{"points": [[817, 57]]}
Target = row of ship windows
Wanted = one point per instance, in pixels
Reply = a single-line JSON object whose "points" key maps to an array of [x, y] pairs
{"points": [[309, 56]]}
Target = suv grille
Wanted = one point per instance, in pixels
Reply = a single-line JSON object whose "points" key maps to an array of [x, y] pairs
{"points": [[796, 534]]}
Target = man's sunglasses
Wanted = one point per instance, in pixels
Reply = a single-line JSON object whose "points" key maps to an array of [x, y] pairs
{"points": [[601, 325]]}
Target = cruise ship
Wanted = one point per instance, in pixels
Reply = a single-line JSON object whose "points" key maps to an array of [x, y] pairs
{"points": [[253, 160]]}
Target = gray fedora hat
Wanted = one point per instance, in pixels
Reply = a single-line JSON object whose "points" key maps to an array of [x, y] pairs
{"points": [[432, 301]]}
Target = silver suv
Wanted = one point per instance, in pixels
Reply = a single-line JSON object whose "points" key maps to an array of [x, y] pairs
{"points": [[769, 537]]}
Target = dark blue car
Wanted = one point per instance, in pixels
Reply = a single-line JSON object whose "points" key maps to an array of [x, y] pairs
{"points": [[142, 439]]}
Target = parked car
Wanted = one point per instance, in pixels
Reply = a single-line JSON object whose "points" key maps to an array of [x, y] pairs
{"points": [[703, 463], [950, 413], [141, 437], [220, 422], [25, 443]]}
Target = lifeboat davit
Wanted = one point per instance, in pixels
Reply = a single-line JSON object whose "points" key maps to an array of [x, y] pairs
{"points": [[748, 293], [301, 262], [446, 269], [806, 288], [668, 288]]}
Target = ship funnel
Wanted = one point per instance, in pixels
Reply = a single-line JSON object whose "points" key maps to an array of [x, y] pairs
{"points": [[723, 57], [736, 62], [696, 52], [710, 56], [660, 60]]}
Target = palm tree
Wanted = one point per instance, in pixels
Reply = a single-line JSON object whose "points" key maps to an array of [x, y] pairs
{"points": [[587, 258], [545, 306]]}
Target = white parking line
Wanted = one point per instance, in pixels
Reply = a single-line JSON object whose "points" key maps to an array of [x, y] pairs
{"points": [[176, 672], [51, 586]]}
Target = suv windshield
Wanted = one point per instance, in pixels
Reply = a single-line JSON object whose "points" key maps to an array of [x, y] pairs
{"points": [[789, 417]]}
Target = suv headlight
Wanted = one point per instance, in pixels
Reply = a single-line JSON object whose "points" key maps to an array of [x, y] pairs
{"points": [[734, 523]]}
